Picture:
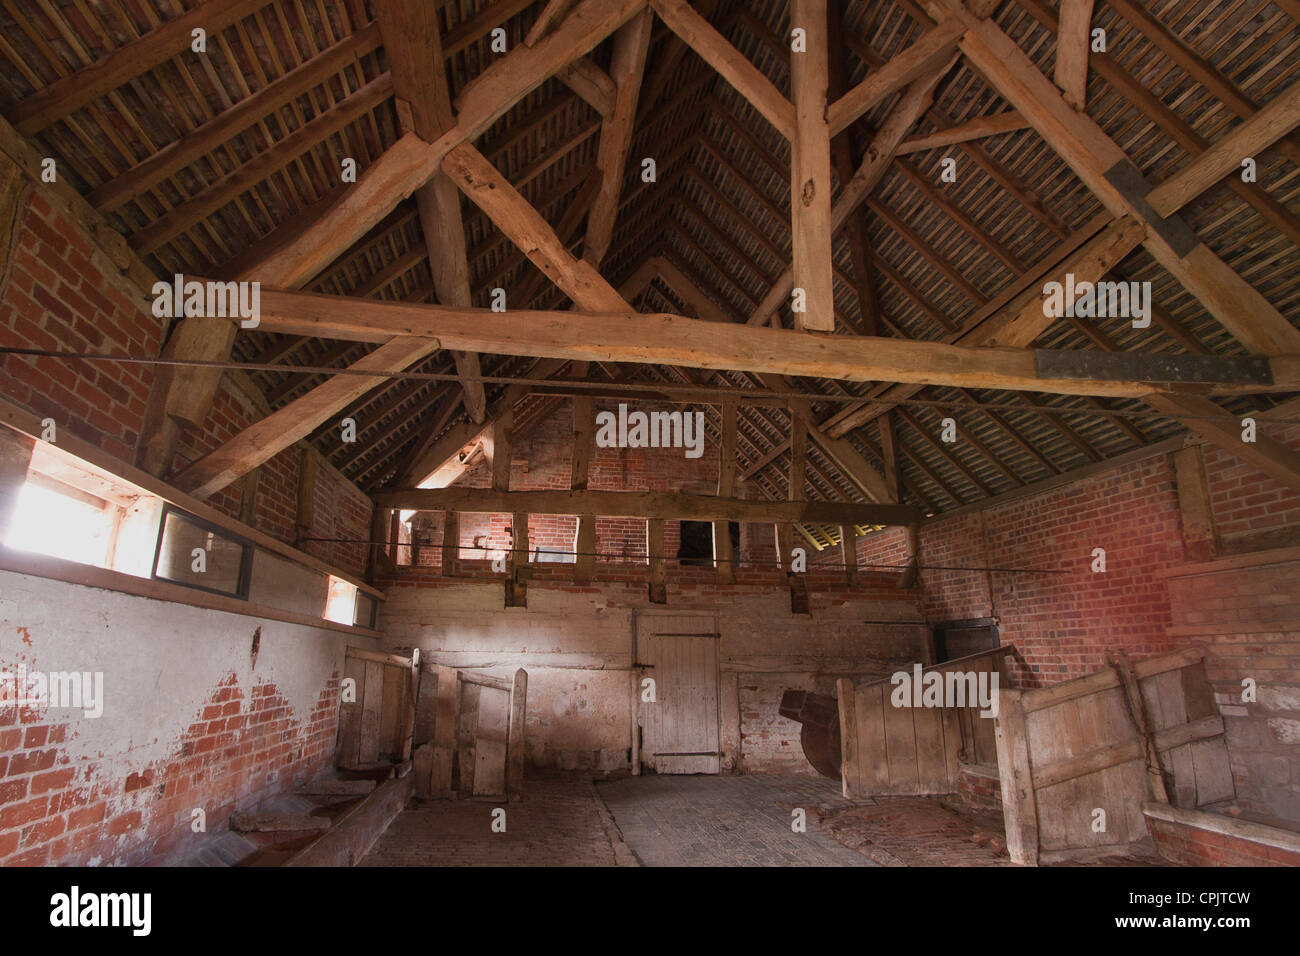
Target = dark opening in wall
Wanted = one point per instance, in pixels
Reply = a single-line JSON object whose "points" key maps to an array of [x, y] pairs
{"points": [[696, 548], [954, 639]]}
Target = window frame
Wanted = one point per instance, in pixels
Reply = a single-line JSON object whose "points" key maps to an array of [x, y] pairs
{"points": [[246, 549]]}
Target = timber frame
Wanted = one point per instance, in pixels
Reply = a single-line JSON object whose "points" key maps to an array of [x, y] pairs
{"points": [[798, 239]]}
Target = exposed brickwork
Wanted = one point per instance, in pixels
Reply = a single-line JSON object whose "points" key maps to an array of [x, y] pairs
{"points": [[242, 747], [1191, 846], [1247, 501], [57, 298], [62, 293], [1249, 618], [1063, 623], [980, 787]]}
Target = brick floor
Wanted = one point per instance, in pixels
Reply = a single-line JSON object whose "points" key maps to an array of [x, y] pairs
{"points": [[559, 822], [725, 820]]}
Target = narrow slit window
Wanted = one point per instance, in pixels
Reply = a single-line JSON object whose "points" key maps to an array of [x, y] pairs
{"points": [[198, 555]]}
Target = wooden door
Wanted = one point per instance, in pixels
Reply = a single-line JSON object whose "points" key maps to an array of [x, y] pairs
{"points": [[680, 727]]}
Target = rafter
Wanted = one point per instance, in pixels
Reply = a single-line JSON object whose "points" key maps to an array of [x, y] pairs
{"points": [[718, 53], [1107, 171], [631, 44], [414, 45]]}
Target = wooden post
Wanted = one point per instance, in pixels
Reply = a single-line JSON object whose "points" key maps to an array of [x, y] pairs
{"points": [[848, 737], [444, 730], [785, 534], [15, 459], [520, 555], [655, 549], [810, 181], [248, 498], [1137, 711], [515, 735], [1199, 537], [306, 516], [413, 697], [912, 573], [583, 420], [395, 536], [723, 553], [450, 543], [379, 560], [1019, 808], [849, 553], [502, 429], [584, 568]]}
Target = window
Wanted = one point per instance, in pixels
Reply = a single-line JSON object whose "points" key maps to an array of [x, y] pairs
{"points": [[696, 546], [200, 555], [341, 601], [63, 522]]}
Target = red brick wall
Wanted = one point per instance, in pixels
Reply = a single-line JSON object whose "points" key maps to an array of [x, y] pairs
{"points": [[62, 294], [55, 298], [242, 745], [1030, 565], [1191, 846], [1249, 620], [1246, 501]]}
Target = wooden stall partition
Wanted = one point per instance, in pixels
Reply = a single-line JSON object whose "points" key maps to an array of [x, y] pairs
{"points": [[478, 731], [888, 750], [377, 709], [1077, 760]]}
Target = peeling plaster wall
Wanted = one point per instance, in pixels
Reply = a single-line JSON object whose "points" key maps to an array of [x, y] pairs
{"points": [[189, 720]]}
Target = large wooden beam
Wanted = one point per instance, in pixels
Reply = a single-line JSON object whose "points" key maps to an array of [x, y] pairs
{"points": [[514, 216], [1210, 421], [718, 53], [922, 58], [644, 504], [878, 157], [265, 439], [1106, 170], [1279, 117], [1072, 42], [810, 171], [627, 67], [978, 128], [663, 339], [724, 558], [414, 45]]}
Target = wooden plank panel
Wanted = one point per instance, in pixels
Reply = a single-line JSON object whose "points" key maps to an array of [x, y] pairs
{"points": [[372, 705], [1019, 808], [490, 742], [467, 734], [873, 762], [900, 744], [349, 751], [931, 767], [844, 695], [515, 734], [390, 714], [444, 730]]}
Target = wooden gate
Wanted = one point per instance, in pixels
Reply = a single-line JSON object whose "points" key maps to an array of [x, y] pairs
{"points": [[680, 726], [912, 750], [377, 710], [1108, 742]]}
